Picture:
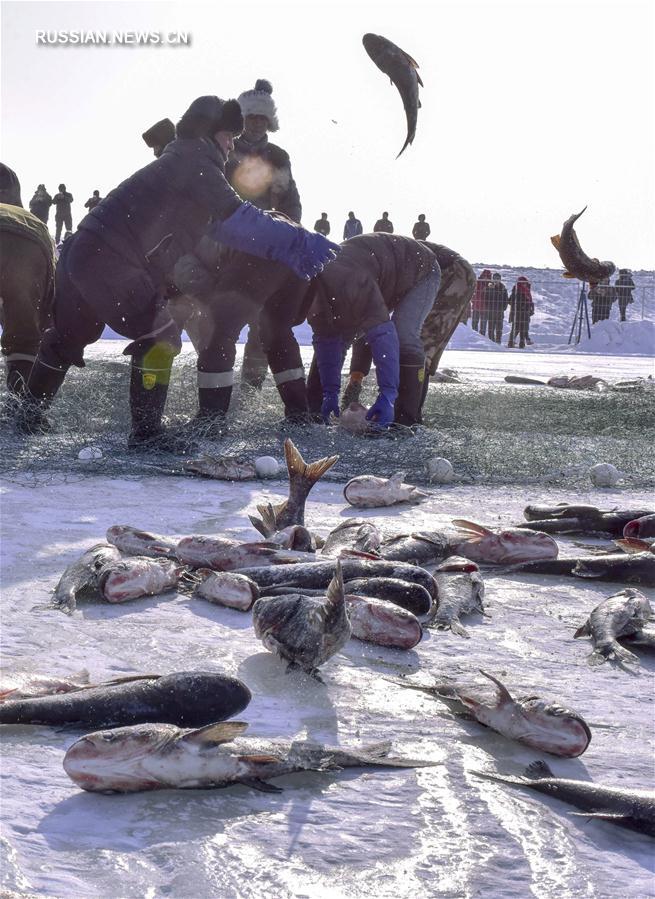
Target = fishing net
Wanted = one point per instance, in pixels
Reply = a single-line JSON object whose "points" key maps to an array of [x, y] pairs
{"points": [[490, 433]]}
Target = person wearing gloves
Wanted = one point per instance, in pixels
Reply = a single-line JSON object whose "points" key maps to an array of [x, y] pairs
{"points": [[457, 286], [114, 269], [382, 287]]}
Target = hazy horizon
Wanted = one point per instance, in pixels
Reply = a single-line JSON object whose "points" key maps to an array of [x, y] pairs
{"points": [[530, 111]]}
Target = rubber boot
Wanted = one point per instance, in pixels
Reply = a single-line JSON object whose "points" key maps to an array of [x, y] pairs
{"points": [[213, 406], [410, 394], [148, 392], [255, 361], [294, 397], [314, 390], [42, 385]]}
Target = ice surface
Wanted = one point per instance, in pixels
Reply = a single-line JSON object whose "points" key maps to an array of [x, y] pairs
{"points": [[433, 832]]}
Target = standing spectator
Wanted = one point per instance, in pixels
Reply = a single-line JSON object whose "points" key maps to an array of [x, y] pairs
{"points": [[495, 304], [260, 172], [9, 186], [384, 224], [322, 225], [62, 201], [93, 201], [421, 229], [159, 136], [478, 314], [352, 228], [522, 309], [40, 204], [602, 295], [623, 287]]}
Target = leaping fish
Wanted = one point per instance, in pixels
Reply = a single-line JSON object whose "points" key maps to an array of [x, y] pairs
{"points": [[575, 260], [402, 70]]}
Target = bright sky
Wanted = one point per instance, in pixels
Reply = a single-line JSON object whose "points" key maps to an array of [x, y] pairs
{"points": [[531, 110]]}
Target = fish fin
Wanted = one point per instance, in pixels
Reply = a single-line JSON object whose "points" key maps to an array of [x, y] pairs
{"points": [[128, 678], [397, 477], [213, 734], [555, 240], [358, 554], [457, 628], [581, 570], [269, 514], [412, 63], [538, 769], [431, 691], [611, 652], [584, 630], [256, 783], [498, 778], [503, 692], [258, 525], [335, 591], [633, 545], [569, 275], [297, 467], [419, 105], [471, 526]]}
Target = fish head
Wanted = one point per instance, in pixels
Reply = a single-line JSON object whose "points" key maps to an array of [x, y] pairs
{"points": [[506, 546], [353, 419], [109, 760], [553, 728], [375, 45]]}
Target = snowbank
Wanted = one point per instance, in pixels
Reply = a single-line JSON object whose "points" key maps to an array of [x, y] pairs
{"points": [[465, 338], [620, 339]]}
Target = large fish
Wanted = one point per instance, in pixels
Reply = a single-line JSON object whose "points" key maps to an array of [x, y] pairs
{"points": [[368, 491], [460, 591], [302, 477], [305, 631], [383, 623], [502, 547], [319, 574], [575, 260], [81, 577], [353, 534], [224, 554], [140, 543], [622, 614], [405, 594], [642, 527], [187, 698], [634, 809], [226, 588], [638, 568], [403, 72], [161, 757], [137, 576], [25, 686], [579, 519], [536, 722]]}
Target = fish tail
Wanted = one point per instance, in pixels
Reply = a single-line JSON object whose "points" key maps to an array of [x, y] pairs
{"points": [[298, 468], [374, 754], [457, 628], [611, 652], [336, 595]]}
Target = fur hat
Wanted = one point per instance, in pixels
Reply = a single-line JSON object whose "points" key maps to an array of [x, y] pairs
{"points": [[260, 102], [160, 134], [207, 115]]}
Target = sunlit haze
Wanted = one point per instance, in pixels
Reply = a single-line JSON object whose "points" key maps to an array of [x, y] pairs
{"points": [[530, 111]]}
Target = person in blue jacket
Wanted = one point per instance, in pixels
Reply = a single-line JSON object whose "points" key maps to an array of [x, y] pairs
{"points": [[382, 287], [114, 269]]}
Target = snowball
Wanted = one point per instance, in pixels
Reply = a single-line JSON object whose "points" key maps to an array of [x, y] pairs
{"points": [[604, 474], [266, 466], [440, 470], [88, 453]]}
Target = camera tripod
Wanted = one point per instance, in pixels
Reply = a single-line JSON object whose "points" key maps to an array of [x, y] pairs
{"points": [[581, 314]]}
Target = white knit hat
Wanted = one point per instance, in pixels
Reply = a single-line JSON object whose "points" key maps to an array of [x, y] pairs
{"points": [[260, 102]]}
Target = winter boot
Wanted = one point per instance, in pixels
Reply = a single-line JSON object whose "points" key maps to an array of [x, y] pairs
{"points": [[294, 397], [410, 394], [18, 373], [255, 363], [148, 392], [353, 389], [213, 405], [42, 385]]}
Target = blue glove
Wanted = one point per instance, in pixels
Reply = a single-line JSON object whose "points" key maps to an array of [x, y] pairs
{"points": [[385, 349], [328, 352], [253, 231]]}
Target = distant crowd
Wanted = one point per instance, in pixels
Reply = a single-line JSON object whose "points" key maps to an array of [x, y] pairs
{"points": [[353, 226], [42, 201]]}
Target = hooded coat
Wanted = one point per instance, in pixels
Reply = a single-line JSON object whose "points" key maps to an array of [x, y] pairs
{"points": [[477, 303]]}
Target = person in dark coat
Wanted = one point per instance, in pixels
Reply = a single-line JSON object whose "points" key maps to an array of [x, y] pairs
{"points": [[478, 311], [383, 225], [322, 225], [62, 201], [9, 186], [353, 227], [521, 311], [495, 304], [159, 136], [260, 172], [381, 286], [421, 229], [455, 291], [623, 287], [40, 204], [114, 270], [93, 201], [602, 295]]}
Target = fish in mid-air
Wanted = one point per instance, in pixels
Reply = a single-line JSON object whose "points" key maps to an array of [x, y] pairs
{"points": [[575, 260], [164, 757], [634, 809], [403, 72]]}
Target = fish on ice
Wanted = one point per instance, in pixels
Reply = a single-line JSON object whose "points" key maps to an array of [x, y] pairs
{"points": [[619, 615], [369, 491]]}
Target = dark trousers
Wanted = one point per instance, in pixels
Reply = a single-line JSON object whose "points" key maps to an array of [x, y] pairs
{"points": [[495, 321], [61, 219]]}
